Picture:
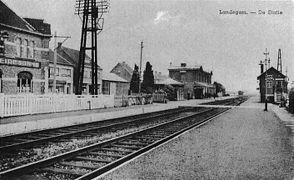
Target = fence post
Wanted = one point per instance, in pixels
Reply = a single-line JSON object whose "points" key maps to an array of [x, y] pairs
{"points": [[1, 105], [29, 98]]}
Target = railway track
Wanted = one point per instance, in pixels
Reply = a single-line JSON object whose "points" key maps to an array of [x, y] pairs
{"points": [[15, 142], [231, 101], [93, 160]]}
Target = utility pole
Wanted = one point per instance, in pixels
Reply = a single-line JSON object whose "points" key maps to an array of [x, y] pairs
{"points": [[266, 54], [55, 58], [141, 52]]}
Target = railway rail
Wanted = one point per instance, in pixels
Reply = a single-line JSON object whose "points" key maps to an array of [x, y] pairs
{"points": [[95, 159], [27, 140]]}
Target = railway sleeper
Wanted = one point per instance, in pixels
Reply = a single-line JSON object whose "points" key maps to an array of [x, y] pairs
{"points": [[91, 159], [126, 147], [144, 139], [65, 171], [116, 150], [132, 143], [79, 165], [105, 154]]}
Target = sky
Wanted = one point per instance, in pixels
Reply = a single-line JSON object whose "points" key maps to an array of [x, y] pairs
{"points": [[176, 31]]}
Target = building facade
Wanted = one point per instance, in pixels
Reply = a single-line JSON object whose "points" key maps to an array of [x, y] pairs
{"points": [[197, 82], [272, 84], [112, 84], [63, 76], [72, 56], [26, 53], [123, 70]]}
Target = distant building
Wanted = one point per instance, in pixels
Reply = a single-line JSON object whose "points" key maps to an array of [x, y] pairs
{"points": [[197, 82], [272, 84], [112, 84], [25, 58], [64, 74], [162, 82], [123, 70], [72, 56]]}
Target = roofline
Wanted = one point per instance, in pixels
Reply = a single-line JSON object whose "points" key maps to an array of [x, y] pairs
{"points": [[19, 16], [187, 68], [258, 77], [27, 31]]}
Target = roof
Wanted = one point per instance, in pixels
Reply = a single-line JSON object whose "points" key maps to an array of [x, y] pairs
{"points": [[39, 25], [185, 68], [60, 60], [72, 55], [272, 70], [125, 66], [112, 77], [168, 81], [201, 84], [10, 19]]}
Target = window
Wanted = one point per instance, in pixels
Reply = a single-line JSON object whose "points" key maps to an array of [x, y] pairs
{"points": [[68, 72], [269, 84], [105, 87], [18, 47], [24, 82], [31, 50], [65, 72], [25, 48], [51, 71]]}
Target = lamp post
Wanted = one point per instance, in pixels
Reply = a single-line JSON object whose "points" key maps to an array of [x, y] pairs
{"points": [[55, 57], [265, 62]]}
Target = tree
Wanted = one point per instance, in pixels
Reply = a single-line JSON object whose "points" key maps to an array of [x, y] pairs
{"points": [[219, 88], [134, 85], [148, 79]]}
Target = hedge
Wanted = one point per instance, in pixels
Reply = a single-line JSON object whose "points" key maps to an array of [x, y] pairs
{"points": [[291, 100]]}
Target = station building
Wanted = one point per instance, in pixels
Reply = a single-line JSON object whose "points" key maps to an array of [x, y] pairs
{"points": [[272, 84], [25, 57], [197, 82]]}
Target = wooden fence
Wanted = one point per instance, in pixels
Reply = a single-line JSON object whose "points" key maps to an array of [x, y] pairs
{"points": [[15, 105], [132, 100]]}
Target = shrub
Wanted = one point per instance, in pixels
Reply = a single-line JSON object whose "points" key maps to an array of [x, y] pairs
{"points": [[291, 100]]}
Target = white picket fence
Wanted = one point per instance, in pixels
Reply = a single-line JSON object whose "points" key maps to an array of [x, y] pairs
{"points": [[15, 105]]}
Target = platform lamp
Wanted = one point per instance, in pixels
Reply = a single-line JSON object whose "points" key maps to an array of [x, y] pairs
{"points": [[3, 37]]}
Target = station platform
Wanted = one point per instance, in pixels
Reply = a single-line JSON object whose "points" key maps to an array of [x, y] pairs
{"points": [[243, 143], [29, 123]]}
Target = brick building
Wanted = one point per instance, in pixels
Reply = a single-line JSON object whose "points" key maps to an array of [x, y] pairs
{"points": [[275, 87], [64, 74], [197, 82], [26, 53], [72, 56]]}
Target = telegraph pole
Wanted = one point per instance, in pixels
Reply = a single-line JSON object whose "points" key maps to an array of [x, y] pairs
{"points": [[266, 54], [55, 57], [141, 52]]}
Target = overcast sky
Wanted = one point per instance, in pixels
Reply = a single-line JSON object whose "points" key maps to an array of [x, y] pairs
{"points": [[181, 31]]}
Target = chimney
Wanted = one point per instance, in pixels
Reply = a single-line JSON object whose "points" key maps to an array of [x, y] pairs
{"points": [[183, 64], [261, 67]]}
